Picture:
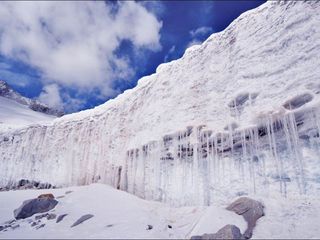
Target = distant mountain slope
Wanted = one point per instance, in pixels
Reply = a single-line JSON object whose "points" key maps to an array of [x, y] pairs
{"points": [[14, 114], [7, 92]]}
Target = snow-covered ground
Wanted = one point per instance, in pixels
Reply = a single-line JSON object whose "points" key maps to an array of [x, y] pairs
{"points": [[14, 115], [118, 214]]}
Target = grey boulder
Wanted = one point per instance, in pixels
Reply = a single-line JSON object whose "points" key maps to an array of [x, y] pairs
{"points": [[227, 232], [250, 209], [82, 219], [61, 217], [33, 206]]}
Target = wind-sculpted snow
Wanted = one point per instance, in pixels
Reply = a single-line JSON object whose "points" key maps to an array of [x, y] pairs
{"points": [[238, 114]]}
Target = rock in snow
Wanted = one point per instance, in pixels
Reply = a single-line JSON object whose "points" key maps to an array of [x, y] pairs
{"points": [[61, 217], [227, 232], [250, 209], [82, 219], [33, 206]]}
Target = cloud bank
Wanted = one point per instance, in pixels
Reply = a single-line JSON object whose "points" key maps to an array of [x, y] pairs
{"points": [[74, 44]]}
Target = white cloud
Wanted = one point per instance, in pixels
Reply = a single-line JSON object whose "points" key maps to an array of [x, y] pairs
{"points": [[73, 44], [200, 32], [51, 96]]}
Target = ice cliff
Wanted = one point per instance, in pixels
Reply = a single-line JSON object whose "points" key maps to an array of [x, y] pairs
{"points": [[237, 114]]}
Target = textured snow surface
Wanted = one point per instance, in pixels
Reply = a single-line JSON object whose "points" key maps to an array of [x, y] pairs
{"points": [[128, 216], [15, 115], [120, 215], [236, 115]]}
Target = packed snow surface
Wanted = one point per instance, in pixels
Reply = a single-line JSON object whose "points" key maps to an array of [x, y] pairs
{"points": [[238, 114], [118, 214]]}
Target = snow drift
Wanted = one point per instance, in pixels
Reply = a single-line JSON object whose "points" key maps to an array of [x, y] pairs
{"points": [[236, 115]]}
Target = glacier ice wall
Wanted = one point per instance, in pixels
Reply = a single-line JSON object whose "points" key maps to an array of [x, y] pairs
{"points": [[238, 114]]}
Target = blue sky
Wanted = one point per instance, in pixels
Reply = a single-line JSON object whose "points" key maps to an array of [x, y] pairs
{"points": [[89, 52]]}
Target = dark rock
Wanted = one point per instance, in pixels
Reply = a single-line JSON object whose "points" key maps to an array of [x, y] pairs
{"points": [[149, 227], [82, 219], [1, 228], [38, 217], [51, 216], [33, 206], [67, 192], [61, 217], [227, 232], [34, 224], [109, 225], [169, 226], [250, 209], [41, 226]]}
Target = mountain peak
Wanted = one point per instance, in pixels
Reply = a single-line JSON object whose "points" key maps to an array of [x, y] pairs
{"points": [[7, 92]]}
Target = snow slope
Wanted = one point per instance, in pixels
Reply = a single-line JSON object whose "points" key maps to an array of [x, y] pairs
{"points": [[128, 216], [120, 215], [15, 115], [236, 115], [7, 92]]}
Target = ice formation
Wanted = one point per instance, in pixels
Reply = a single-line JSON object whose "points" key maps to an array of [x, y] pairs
{"points": [[238, 114]]}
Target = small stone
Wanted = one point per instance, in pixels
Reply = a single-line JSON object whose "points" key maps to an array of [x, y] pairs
{"points": [[41, 226], [149, 227], [34, 224], [67, 192], [61, 217], [51, 216], [109, 225], [169, 226], [82, 219], [1, 228], [41, 216]]}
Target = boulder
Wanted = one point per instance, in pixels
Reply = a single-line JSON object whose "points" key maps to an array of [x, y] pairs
{"points": [[250, 209], [34, 206], [227, 232], [82, 219]]}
